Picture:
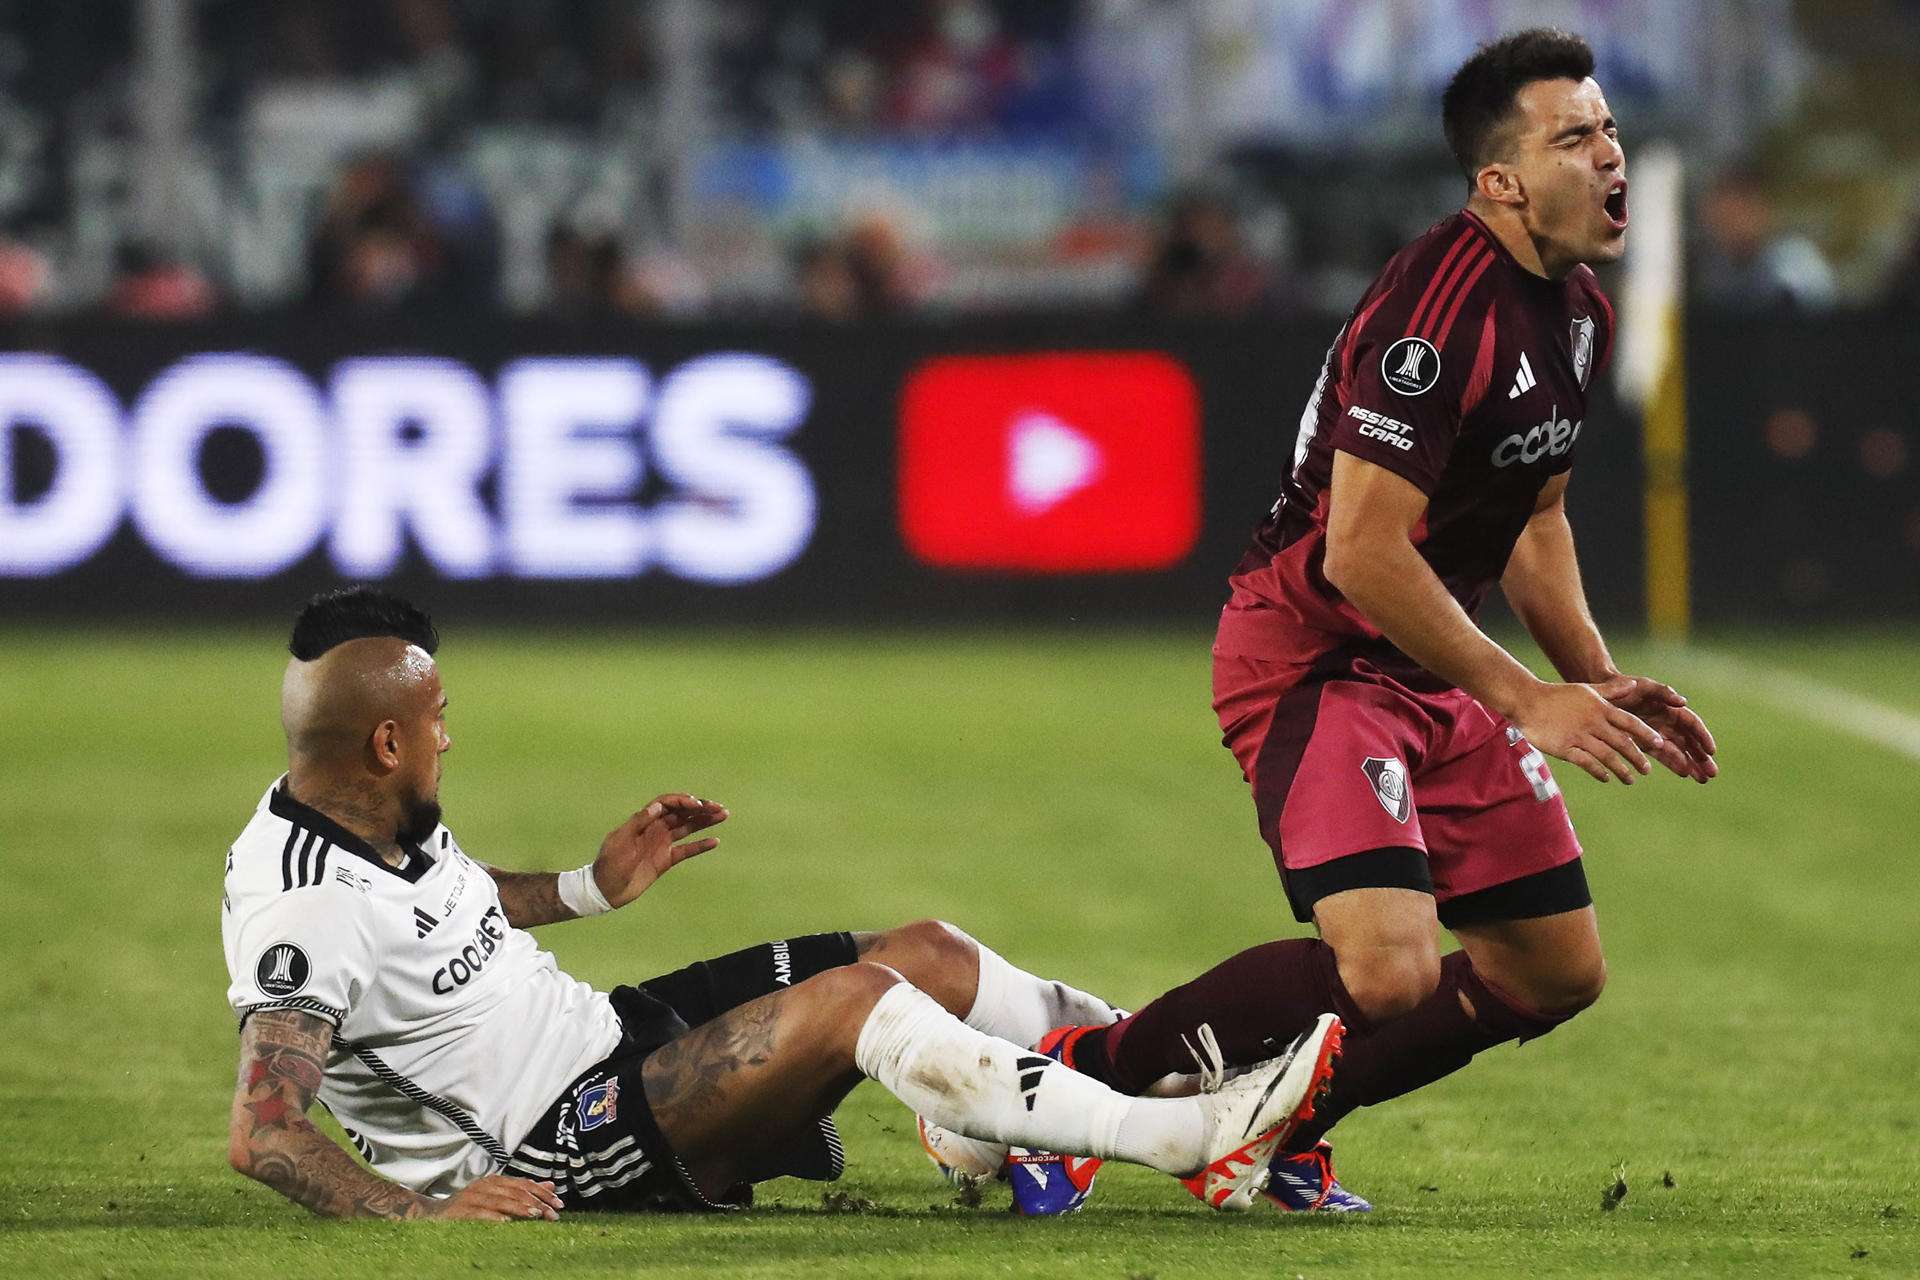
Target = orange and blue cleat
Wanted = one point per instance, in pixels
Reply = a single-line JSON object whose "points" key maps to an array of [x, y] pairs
{"points": [[1303, 1181]]}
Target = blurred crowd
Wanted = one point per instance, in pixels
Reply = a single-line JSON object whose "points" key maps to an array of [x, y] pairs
{"points": [[466, 155]]}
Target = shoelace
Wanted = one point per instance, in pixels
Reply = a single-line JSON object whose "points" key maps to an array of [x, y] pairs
{"points": [[1212, 1063]]}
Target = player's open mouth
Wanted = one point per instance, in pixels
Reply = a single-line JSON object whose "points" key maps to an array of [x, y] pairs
{"points": [[1616, 206]]}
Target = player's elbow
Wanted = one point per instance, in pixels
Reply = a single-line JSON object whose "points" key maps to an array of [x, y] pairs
{"points": [[1351, 565], [239, 1154]]}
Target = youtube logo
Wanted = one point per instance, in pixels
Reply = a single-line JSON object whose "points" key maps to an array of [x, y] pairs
{"points": [[1054, 463]]}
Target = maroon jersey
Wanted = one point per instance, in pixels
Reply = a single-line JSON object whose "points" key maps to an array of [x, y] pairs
{"points": [[1465, 374]]}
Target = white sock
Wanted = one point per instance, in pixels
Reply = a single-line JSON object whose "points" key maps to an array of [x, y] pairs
{"points": [[1014, 1005], [996, 1091]]}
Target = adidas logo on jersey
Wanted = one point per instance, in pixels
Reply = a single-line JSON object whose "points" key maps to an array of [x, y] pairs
{"points": [[1524, 381], [422, 923]]}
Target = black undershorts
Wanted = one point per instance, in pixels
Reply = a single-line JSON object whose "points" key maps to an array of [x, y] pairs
{"points": [[1543, 893], [599, 1145]]}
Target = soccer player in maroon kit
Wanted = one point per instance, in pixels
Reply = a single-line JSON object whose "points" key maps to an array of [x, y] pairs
{"points": [[1393, 749]]}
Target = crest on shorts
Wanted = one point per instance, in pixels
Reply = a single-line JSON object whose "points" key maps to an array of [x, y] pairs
{"points": [[283, 969], [1411, 366], [1583, 349], [599, 1105], [1389, 779]]}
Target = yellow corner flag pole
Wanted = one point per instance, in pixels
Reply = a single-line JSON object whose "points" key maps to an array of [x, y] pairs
{"points": [[1652, 376], [1664, 451]]}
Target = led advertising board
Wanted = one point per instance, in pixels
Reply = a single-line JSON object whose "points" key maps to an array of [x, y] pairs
{"points": [[1056, 471]]}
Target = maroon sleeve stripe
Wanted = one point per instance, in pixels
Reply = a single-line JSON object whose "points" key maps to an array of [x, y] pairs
{"points": [[1351, 338], [1477, 255], [1460, 298], [1439, 278], [1482, 377]]}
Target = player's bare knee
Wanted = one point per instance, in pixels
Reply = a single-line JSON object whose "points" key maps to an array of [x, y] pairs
{"points": [[854, 988], [934, 956], [836, 1003], [935, 945], [1578, 988], [1387, 984]]}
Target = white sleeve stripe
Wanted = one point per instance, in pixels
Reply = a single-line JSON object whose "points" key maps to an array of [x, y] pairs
{"points": [[286, 859], [449, 1111], [303, 1003]]}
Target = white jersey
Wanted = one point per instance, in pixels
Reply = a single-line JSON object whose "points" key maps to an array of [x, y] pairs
{"points": [[453, 1032]]}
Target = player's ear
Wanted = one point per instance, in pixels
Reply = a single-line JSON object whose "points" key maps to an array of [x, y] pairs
{"points": [[384, 746], [1500, 184]]}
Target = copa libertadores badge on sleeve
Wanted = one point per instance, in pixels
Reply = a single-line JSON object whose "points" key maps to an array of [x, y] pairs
{"points": [[283, 969], [1411, 366]]}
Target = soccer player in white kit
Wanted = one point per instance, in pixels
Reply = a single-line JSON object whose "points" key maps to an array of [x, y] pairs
{"points": [[378, 969]]}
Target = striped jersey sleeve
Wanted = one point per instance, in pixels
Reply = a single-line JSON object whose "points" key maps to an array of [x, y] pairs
{"points": [[1417, 356]]}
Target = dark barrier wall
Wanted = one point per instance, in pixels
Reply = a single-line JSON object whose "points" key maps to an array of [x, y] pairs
{"points": [[1805, 466], [1042, 471]]}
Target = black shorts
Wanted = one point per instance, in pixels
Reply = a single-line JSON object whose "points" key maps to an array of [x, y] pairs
{"points": [[1544, 893], [598, 1144]]}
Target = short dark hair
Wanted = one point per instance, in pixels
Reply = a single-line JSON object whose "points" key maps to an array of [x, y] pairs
{"points": [[358, 613], [1480, 98]]}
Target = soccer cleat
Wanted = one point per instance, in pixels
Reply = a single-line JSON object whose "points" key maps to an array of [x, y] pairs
{"points": [[1252, 1115], [1303, 1180], [1046, 1183]]}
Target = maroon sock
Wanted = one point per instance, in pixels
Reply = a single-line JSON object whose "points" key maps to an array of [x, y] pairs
{"points": [[1256, 1002], [1434, 1039]]}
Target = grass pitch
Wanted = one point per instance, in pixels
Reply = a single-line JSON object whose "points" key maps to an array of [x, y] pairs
{"points": [[1750, 1075]]}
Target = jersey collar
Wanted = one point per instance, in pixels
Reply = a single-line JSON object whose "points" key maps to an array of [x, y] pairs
{"points": [[1540, 284], [283, 805]]}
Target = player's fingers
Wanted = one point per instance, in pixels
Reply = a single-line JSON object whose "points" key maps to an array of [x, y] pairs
{"points": [[1696, 728], [1608, 751], [694, 848], [1627, 748], [1675, 758], [1585, 760], [1618, 687], [1634, 727], [542, 1192]]}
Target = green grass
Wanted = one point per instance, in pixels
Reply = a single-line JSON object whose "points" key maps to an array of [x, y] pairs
{"points": [[1065, 798]]}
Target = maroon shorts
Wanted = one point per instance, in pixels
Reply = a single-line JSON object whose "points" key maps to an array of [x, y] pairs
{"points": [[1361, 782]]}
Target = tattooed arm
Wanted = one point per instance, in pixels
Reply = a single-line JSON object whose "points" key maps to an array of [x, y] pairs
{"points": [[634, 855], [530, 898], [270, 1139]]}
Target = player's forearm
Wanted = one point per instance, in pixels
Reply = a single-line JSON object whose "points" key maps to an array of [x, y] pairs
{"points": [[1542, 583], [530, 898], [313, 1171], [1397, 591], [269, 1138]]}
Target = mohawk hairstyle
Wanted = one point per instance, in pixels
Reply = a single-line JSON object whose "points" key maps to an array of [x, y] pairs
{"points": [[1479, 100], [358, 613]]}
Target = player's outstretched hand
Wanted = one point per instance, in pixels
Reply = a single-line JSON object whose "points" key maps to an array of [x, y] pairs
{"points": [[1576, 723], [502, 1199], [1689, 747], [652, 842]]}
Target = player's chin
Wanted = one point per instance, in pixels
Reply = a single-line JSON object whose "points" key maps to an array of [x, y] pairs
{"points": [[1609, 246]]}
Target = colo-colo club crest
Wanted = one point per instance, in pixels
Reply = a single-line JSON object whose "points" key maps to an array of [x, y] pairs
{"points": [[1389, 779]]}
